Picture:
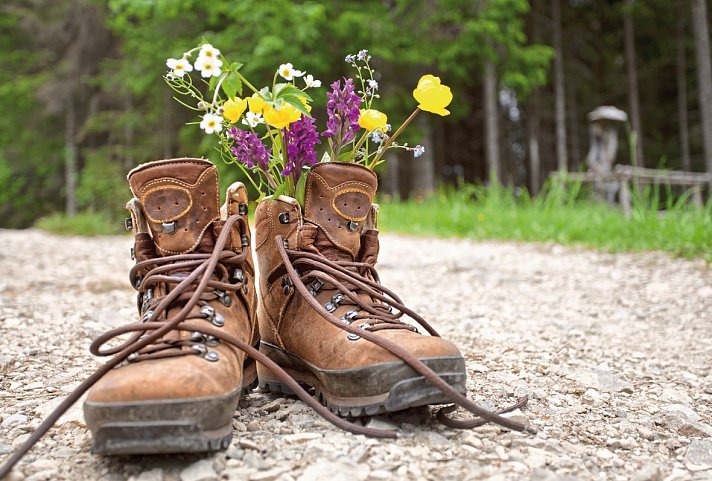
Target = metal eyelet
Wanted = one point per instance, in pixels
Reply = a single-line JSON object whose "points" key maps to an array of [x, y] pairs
{"points": [[212, 341], [212, 356], [196, 337], [208, 312], [133, 254], [355, 337], [286, 285], [243, 209], [329, 307], [283, 218], [128, 223], [238, 276], [146, 316], [199, 348], [336, 299], [169, 227], [218, 321], [352, 226], [315, 286], [285, 243], [350, 315], [223, 297], [244, 240], [138, 281]]}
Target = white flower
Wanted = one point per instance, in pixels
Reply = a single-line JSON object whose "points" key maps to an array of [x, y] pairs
{"points": [[211, 123], [418, 150], [288, 72], [311, 81], [252, 119], [372, 84], [179, 66], [208, 67], [208, 51], [363, 55]]}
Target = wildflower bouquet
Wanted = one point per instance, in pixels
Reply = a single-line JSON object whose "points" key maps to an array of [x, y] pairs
{"points": [[270, 132]]}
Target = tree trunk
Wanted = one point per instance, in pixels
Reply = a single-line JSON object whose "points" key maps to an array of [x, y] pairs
{"points": [[682, 96], [70, 158], [423, 172], [632, 71], [704, 75], [559, 93], [494, 168], [533, 141]]}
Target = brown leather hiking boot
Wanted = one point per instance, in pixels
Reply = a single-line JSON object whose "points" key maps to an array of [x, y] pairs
{"points": [[178, 390], [320, 299]]}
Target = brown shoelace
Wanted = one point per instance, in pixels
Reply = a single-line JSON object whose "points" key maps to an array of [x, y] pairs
{"points": [[351, 278], [203, 273]]}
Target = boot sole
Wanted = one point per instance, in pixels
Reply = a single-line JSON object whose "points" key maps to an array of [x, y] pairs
{"points": [[366, 391], [166, 426]]}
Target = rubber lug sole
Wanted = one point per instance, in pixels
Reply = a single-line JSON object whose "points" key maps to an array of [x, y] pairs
{"points": [[164, 426], [411, 390]]}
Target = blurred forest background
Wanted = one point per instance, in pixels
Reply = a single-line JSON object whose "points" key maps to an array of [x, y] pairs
{"points": [[83, 100]]}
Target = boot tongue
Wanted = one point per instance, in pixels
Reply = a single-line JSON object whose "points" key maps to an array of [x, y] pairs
{"points": [[180, 199], [337, 200]]}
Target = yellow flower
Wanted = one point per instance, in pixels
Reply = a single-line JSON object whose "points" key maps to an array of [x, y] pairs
{"points": [[372, 119], [256, 103], [432, 95], [233, 109], [281, 117]]}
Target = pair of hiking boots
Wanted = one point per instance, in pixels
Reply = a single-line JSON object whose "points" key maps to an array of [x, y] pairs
{"points": [[317, 318]]}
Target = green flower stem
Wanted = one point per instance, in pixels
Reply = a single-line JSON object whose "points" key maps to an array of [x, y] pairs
{"points": [[393, 137], [244, 81], [217, 88], [360, 142]]}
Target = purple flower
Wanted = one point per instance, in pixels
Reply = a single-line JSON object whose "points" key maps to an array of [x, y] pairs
{"points": [[248, 149], [343, 111], [301, 139]]}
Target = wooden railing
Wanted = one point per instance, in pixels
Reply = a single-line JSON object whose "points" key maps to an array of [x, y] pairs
{"points": [[624, 175]]}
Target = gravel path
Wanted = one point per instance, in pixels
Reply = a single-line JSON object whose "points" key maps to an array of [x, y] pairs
{"points": [[615, 351]]}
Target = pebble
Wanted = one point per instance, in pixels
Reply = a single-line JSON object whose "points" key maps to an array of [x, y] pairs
{"points": [[699, 455], [605, 402], [151, 475], [202, 470], [14, 420]]}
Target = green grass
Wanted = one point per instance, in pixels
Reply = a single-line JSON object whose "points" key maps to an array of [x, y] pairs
{"points": [[83, 224], [562, 216]]}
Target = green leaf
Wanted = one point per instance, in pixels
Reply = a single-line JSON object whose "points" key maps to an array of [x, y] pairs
{"points": [[281, 190], [301, 186], [284, 90], [297, 103], [213, 83], [232, 85], [235, 66]]}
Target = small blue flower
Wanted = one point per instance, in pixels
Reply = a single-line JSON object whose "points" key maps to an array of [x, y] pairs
{"points": [[418, 151], [377, 136], [363, 55]]}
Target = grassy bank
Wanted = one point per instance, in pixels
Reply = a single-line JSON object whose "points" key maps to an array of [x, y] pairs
{"points": [[560, 216]]}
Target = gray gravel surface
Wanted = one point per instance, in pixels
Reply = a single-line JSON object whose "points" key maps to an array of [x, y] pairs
{"points": [[614, 350]]}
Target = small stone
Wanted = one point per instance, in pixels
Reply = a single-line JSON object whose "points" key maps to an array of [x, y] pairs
{"points": [[253, 425], [46, 475], [199, 471], [301, 437], [699, 455], [649, 472], [381, 422], [16, 419], [247, 444], [478, 367], [274, 405], [517, 416], [604, 454], [684, 410], [675, 396], [602, 380], [253, 460], [269, 475], [591, 396], [335, 471], [5, 449], [151, 475], [379, 475], [539, 474]]}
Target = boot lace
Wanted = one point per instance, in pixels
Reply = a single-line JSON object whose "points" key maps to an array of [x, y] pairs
{"points": [[196, 277], [352, 278]]}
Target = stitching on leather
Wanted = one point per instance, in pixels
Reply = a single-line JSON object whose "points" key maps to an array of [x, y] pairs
{"points": [[175, 217], [346, 191], [332, 189]]}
